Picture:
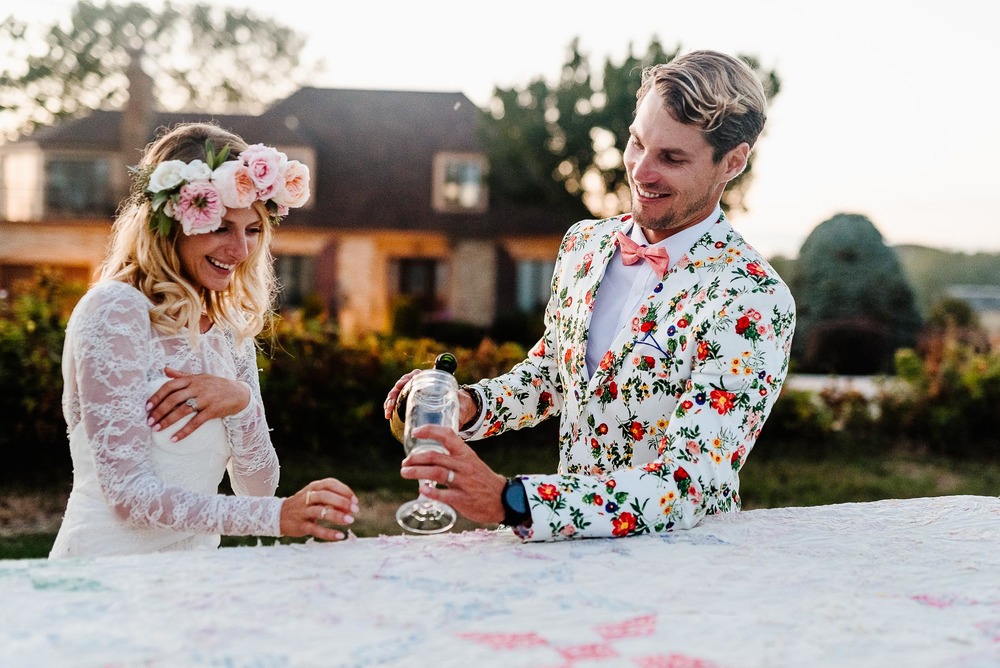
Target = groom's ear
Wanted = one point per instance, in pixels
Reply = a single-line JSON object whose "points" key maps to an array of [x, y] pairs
{"points": [[736, 161]]}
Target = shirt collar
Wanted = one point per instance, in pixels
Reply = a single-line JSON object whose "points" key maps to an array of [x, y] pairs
{"points": [[678, 244]]}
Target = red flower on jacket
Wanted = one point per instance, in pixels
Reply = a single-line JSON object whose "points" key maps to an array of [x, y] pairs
{"points": [[493, 430], [636, 430], [647, 326], [623, 525], [702, 349], [742, 325], [606, 361], [755, 269], [602, 428], [681, 477], [539, 349], [548, 492], [722, 401]]}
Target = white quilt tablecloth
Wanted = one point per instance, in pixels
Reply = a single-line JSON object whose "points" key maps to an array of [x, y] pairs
{"points": [[891, 583]]}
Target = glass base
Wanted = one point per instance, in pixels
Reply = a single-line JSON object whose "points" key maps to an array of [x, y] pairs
{"points": [[423, 515]]}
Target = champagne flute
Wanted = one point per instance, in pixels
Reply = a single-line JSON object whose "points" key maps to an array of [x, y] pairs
{"points": [[432, 398]]}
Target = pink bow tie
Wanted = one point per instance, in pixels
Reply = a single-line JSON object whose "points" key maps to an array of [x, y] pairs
{"points": [[633, 252]]}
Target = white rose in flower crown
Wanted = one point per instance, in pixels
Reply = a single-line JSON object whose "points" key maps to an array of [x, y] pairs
{"points": [[196, 170], [167, 175], [293, 187], [235, 185], [265, 164]]}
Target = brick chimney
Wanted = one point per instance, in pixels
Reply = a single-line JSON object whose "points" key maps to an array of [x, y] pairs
{"points": [[136, 119]]}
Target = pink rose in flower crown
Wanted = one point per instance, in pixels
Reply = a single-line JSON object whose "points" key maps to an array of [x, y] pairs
{"points": [[199, 208], [265, 164], [293, 188], [235, 185]]}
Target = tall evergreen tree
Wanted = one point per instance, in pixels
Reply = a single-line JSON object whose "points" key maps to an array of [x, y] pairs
{"points": [[855, 305]]}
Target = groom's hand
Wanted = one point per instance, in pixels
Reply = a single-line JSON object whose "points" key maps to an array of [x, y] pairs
{"points": [[472, 488]]}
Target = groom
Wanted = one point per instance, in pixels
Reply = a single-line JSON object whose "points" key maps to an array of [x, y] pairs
{"points": [[666, 338]]}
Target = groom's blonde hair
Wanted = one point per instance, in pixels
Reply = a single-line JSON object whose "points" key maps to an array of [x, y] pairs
{"points": [[714, 91]]}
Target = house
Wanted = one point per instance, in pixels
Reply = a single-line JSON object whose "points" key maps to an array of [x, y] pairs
{"points": [[984, 300], [400, 205]]}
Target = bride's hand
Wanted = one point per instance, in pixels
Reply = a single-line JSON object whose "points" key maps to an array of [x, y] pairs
{"points": [[203, 394], [327, 500]]}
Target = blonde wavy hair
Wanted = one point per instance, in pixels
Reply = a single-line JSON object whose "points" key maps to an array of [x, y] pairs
{"points": [[143, 258], [714, 91]]}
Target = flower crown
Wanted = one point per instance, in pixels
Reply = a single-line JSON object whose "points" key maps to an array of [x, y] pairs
{"points": [[196, 193]]}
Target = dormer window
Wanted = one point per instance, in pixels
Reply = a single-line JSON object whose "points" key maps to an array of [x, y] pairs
{"points": [[460, 183]]}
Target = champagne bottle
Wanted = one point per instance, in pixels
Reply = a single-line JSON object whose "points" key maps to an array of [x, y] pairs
{"points": [[443, 372]]}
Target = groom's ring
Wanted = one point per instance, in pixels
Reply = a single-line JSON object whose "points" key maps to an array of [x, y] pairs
{"points": [[451, 476], [192, 404], [309, 497]]}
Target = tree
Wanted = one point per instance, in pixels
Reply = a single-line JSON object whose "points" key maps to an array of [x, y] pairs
{"points": [[561, 146], [855, 306], [199, 56]]}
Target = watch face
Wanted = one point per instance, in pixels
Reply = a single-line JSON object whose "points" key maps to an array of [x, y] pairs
{"points": [[515, 496]]}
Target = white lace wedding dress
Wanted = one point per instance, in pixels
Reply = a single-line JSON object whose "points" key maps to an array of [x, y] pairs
{"points": [[133, 490]]}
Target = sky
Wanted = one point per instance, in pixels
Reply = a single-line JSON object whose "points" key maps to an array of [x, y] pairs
{"points": [[887, 109]]}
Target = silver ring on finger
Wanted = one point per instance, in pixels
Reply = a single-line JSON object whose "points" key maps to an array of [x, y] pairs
{"points": [[322, 513], [451, 476], [309, 497], [192, 404]]}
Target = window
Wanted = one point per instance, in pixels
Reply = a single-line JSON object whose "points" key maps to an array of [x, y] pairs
{"points": [[533, 284], [296, 278], [77, 187], [420, 279], [460, 183]]}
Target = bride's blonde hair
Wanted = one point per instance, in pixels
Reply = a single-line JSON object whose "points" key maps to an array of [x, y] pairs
{"points": [[142, 257]]}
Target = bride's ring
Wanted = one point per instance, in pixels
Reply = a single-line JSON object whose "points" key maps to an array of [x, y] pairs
{"points": [[451, 476], [192, 404], [308, 497], [322, 513]]}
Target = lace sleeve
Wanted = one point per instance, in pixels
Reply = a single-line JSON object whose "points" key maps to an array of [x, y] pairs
{"points": [[253, 469], [111, 346]]}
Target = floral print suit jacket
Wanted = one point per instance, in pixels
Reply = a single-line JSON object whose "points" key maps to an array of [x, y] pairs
{"points": [[655, 438]]}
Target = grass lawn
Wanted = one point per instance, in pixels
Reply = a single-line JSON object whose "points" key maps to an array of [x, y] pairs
{"points": [[28, 520]]}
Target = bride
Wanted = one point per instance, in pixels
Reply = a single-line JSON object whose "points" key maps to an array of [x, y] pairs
{"points": [[161, 393]]}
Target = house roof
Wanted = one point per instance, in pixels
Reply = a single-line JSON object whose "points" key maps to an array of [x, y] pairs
{"points": [[102, 129], [374, 153], [981, 298]]}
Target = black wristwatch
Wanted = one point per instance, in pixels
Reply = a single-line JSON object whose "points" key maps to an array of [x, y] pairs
{"points": [[515, 503]]}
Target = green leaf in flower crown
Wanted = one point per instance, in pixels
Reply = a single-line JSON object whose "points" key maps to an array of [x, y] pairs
{"points": [[213, 160], [163, 223], [223, 155], [159, 199]]}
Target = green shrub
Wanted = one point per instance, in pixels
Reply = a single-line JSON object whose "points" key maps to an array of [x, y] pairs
{"points": [[32, 330]]}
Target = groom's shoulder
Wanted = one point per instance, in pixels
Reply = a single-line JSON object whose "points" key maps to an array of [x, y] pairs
{"points": [[593, 230]]}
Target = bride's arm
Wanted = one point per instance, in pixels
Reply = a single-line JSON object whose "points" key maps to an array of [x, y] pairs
{"points": [[253, 468], [111, 347]]}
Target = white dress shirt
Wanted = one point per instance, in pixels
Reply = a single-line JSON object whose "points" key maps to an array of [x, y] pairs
{"points": [[624, 286]]}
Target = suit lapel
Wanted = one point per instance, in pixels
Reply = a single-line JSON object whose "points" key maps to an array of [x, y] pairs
{"points": [[708, 253]]}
